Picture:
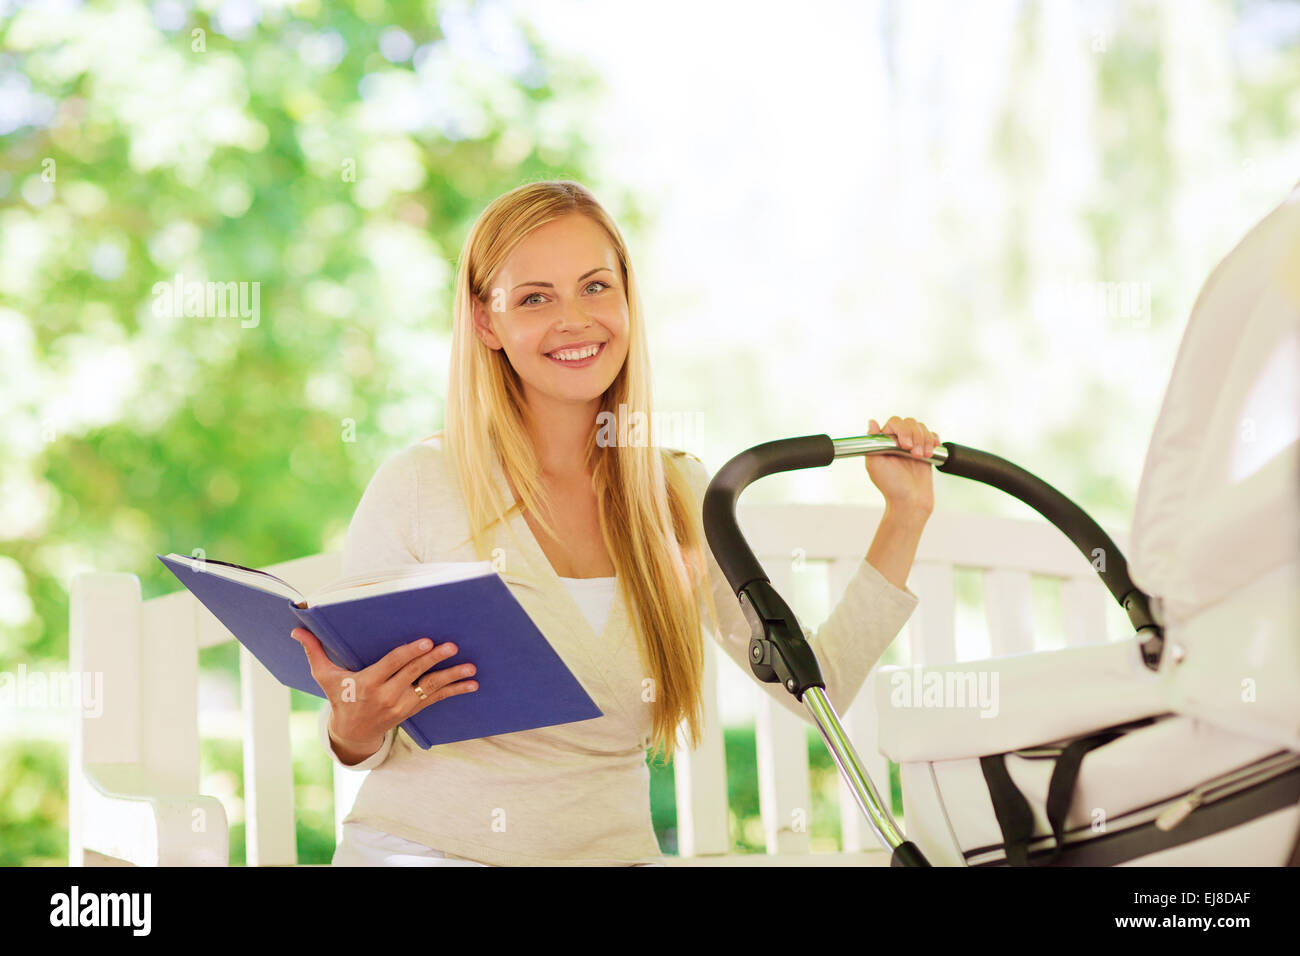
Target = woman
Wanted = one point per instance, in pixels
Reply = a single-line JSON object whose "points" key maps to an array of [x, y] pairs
{"points": [[603, 547]]}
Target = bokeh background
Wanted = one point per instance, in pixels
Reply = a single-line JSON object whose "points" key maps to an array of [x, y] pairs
{"points": [[991, 216]]}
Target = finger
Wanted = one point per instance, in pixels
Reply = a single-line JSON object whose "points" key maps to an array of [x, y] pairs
{"points": [[873, 428], [422, 663], [437, 680], [437, 686], [322, 668], [902, 432], [401, 655], [907, 435], [891, 427], [918, 438]]}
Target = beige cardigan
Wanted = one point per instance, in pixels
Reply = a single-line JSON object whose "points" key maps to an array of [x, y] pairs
{"points": [[576, 793]]}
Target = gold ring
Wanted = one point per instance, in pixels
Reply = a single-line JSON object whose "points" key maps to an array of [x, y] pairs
{"points": [[420, 690]]}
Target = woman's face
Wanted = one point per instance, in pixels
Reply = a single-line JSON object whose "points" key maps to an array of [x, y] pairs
{"points": [[556, 299]]}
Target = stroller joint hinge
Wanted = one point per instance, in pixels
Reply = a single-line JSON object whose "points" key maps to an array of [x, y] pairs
{"points": [[778, 652], [1137, 606]]}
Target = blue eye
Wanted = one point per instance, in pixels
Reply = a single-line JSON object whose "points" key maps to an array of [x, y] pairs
{"points": [[524, 300]]}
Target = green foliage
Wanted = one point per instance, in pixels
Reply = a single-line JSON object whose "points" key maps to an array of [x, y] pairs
{"points": [[234, 160], [196, 432], [33, 803]]}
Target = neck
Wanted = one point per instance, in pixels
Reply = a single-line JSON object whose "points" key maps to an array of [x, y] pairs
{"points": [[560, 431]]}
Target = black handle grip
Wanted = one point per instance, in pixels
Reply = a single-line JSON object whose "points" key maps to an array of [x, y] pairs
{"points": [[1072, 520], [732, 551], [1074, 523]]}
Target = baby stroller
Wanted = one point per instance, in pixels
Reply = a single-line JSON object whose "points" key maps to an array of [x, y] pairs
{"points": [[1177, 746]]}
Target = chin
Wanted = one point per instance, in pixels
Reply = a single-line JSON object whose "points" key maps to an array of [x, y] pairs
{"points": [[585, 395], [574, 392]]}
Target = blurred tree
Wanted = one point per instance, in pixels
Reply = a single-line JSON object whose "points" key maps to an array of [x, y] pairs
{"points": [[325, 162]]}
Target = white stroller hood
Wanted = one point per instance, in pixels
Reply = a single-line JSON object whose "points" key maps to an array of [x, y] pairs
{"points": [[1216, 531], [1217, 506]]}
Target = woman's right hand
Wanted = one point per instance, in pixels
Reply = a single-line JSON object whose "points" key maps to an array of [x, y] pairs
{"points": [[366, 704]]}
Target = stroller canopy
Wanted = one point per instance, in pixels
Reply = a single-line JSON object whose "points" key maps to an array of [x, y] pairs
{"points": [[1216, 529]]}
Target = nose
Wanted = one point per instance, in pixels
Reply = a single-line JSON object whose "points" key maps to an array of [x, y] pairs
{"points": [[574, 317]]}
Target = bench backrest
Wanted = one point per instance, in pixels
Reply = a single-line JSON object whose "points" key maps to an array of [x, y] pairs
{"points": [[149, 652]]}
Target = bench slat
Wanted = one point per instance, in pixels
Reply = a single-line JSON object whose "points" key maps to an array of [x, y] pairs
{"points": [[932, 626], [785, 795], [700, 777], [270, 835], [1009, 610]]}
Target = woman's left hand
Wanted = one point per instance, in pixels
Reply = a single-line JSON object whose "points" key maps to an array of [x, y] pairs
{"points": [[908, 486]]}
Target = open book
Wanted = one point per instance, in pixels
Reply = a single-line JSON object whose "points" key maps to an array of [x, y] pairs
{"points": [[522, 683], [347, 588]]}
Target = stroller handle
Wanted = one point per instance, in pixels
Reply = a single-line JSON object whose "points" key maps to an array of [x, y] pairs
{"points": [[778, 651], [787, 454], [741, 567]]}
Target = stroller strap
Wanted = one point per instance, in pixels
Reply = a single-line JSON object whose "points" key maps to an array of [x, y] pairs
{"points": [[1014, 816]]}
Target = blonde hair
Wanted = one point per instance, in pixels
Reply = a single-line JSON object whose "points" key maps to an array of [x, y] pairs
{"points": [[649, 518]]}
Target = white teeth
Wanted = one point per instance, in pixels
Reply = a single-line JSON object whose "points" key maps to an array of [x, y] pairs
{"points": [[574, 355]]}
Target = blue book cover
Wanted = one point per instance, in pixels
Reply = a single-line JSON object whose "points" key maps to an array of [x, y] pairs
{"points": [[522, 683]]}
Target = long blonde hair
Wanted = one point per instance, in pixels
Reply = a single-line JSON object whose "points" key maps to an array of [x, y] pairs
{"points": [[649, 518]]}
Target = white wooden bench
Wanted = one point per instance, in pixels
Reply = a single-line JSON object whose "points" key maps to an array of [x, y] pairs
{"points": [[134, 770]]}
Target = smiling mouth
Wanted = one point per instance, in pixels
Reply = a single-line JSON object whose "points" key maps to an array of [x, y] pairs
{"points": [[582, 355]]}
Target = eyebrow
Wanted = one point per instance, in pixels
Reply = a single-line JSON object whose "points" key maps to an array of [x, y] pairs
{"points": [[549, 285]]}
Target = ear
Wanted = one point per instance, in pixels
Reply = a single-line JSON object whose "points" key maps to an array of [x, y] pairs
{"points": [[483, 326]]}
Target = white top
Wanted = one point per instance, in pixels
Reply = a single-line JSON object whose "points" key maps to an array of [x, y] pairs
{"points": [[366, 846], [594, 596], [574, 793]]}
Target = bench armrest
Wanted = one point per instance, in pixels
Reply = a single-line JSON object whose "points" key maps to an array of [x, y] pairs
{"points": [[119, 818]]}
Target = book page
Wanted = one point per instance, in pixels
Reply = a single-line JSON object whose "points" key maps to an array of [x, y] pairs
{"points": [[389, 580], [261, 580]]}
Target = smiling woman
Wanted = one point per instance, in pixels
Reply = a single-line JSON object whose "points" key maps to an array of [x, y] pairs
{"points": [[551, 282], [601, 542], [567, 322]]}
